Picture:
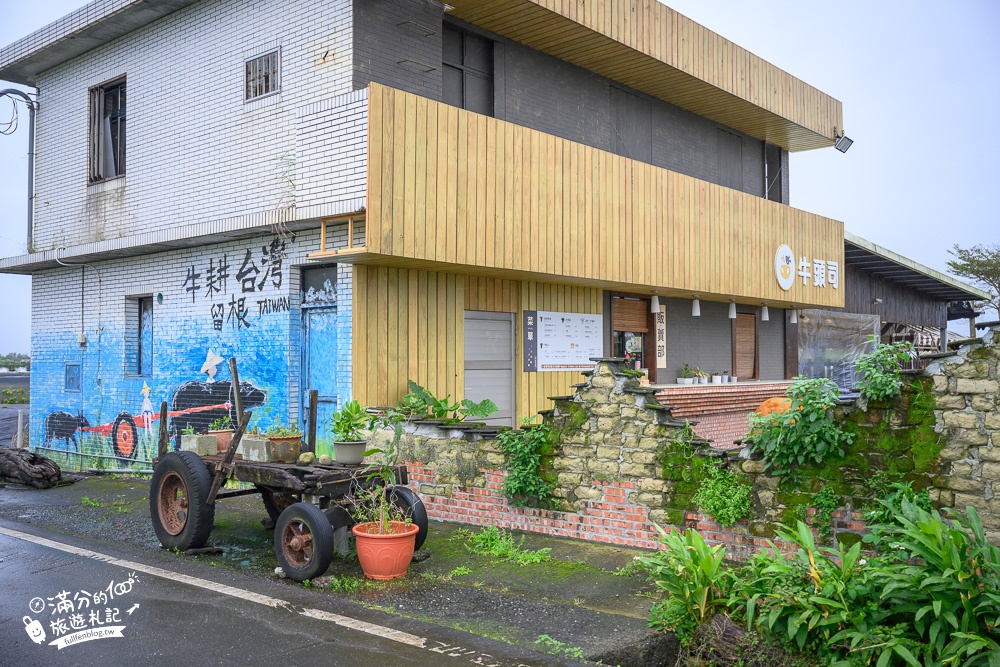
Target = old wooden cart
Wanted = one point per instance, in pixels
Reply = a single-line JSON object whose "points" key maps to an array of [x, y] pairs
{"points": [[307, 503]]}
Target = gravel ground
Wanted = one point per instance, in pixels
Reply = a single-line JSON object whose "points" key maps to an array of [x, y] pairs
{"points": [[576, 599]]}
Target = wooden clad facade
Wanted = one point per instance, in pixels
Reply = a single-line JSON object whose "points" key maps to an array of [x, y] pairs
{"points": [[458, 191], [408, 324], [650, 47]]}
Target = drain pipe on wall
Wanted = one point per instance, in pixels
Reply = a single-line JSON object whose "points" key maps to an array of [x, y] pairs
{"points": [[32, 106]]}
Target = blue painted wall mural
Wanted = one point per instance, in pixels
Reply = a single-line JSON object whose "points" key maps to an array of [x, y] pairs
{"points": [[222, 301]]}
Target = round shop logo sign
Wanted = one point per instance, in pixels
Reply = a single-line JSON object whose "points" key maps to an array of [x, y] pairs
{"points": [[783, 267]]}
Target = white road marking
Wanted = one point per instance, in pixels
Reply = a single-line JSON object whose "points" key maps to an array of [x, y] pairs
{"points": [[277, 603]]}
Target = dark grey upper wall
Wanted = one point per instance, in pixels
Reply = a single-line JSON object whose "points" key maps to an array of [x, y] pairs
{"points": [[398, 43], [533, 89], [707, 341]]}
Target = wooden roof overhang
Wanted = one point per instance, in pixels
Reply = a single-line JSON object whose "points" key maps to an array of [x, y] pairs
{"points": [[649, 47]]}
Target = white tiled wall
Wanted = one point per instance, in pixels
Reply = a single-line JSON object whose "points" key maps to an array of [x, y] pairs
{"points": [[196, 152]]}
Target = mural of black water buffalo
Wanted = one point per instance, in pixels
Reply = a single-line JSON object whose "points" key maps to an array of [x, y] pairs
{"points": [[203, 402], [62, 425]]}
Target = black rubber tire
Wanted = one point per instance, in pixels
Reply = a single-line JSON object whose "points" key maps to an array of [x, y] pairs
{"points": [[298, 519], [273, 508], [181, 473], [413, 508], [125, 436]]}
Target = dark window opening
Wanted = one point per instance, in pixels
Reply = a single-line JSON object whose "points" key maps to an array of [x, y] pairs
{"points": [[107, 131], [467, 61], [631, 125], [772, 173], [139, 335]]}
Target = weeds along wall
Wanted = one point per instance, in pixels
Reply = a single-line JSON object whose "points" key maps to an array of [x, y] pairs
{"points": [[621, 463]]}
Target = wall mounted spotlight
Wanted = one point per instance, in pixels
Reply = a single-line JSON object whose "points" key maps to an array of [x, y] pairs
{"points": [[654, 304], [732, 309], [696, 307], [765, 316], [841, 142], [876, 302]]}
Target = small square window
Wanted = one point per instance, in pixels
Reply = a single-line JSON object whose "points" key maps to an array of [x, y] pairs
{"points": [[72, 377], [262, 75], [139, 335], [107, 131]]}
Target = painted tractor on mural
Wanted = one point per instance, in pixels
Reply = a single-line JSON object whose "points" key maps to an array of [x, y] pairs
{"points": [[193, 404]]}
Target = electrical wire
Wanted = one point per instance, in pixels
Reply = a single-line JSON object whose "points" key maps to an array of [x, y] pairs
{"points": [[10, 126]]}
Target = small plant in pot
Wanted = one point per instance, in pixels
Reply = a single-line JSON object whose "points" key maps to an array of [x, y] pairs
{"points": [[348, 442], [285, 442], [222, 429], [384, 534]]}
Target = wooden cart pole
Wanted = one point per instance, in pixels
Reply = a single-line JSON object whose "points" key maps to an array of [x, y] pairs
{"points": [[237, 399], [161, 450], [313, 409], [226, 466]]}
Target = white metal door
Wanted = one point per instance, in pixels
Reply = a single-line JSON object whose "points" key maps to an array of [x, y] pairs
{"points": [[489, 362]]}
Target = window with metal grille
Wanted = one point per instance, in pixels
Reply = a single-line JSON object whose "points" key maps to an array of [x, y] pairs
{"points": [[262, 75], [107, 131]]}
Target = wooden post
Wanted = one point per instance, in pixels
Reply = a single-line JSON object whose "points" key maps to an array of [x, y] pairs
{"points": [[226, 466], [161, 450], [313, 410], [237, 399]]}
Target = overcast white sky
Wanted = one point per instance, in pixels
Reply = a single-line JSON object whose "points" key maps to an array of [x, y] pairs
{"points": [[920, 84]]}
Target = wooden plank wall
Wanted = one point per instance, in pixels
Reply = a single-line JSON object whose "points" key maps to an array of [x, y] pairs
{"points": [[450, 186], [649, 46], [900, 304], [409, 324]]}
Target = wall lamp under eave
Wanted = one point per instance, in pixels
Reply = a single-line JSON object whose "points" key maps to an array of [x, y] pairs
{"points": [[794, 319], [696, 307], [765, 316], [841, 142], [732, 309], [654, 304]]}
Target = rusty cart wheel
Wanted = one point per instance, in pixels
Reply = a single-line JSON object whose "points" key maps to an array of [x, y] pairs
{"points": [[412, 508], [178, 492], [303, 542], [276, 503], [124, 436]]}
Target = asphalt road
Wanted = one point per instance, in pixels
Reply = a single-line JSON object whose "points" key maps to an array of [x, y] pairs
{"points": [[69, 589]]}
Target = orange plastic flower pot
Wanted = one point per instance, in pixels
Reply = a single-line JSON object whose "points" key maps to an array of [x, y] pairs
{"points": [[385, 556]]}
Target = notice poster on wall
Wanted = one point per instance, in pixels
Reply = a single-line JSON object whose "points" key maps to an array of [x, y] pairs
{"points": [[561, 341]]}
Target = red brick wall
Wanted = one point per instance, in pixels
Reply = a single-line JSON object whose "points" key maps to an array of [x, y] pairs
{"points": [[612, 519]]}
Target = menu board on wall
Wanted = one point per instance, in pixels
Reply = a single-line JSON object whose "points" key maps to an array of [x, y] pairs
{"points": [[561, 341]]}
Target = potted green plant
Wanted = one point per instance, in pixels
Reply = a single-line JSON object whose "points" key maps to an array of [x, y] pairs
{"points": [[702, 376], [285, 442], [686, 375], [717, 377], [222, 429], [384, 535], [348, 442]]}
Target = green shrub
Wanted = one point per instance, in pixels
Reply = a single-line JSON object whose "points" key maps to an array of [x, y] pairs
{"points": [[420, 401], [803, 434], [826, 503], [522, 450], [692, 575], [723, 495], [880, 369], [933, 598]]}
